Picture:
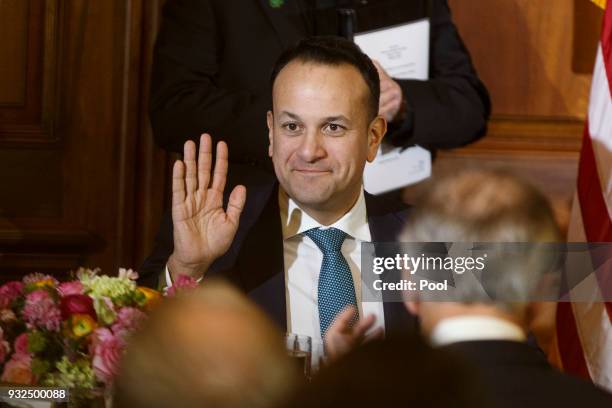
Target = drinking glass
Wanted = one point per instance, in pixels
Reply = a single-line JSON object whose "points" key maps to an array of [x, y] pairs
{"points": [[299, 348]]}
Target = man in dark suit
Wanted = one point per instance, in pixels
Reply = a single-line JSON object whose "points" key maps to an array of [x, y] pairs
{"points": [[400, 372], [294, 245], [213, 58], [489, 332]]}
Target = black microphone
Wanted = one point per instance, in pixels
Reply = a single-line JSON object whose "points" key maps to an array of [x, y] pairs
{"points": [[347, 22]]}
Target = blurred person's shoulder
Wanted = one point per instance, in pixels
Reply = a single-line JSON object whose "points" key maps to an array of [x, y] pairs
{"points": [[399, 371], [518, 374]]}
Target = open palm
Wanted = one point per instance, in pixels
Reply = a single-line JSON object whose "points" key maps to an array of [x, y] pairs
{"points": [[203, 229]]}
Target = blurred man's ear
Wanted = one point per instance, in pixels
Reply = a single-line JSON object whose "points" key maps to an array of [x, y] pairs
{"points": [[376, 132], [412, 306], [270, 122], [541, 321]]}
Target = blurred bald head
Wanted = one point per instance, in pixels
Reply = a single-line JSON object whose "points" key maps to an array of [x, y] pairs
{"points": [[482, 206], [210, 347], [487, 206]]}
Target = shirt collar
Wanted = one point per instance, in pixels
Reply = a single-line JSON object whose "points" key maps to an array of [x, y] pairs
{"points": [[473, 328], [295, 221]]}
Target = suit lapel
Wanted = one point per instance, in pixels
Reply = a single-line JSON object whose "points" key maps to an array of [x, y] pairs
{"points": [[261, 262], [386, 219]]}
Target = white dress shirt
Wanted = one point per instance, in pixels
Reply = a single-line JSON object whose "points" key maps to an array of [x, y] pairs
{"points": [[473, 328], [303, 261]]}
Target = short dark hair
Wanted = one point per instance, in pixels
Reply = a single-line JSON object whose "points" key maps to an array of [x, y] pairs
{"points": [[334, 51]]}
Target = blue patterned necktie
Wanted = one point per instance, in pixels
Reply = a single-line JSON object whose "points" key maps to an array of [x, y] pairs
{"points": [[336, 288]]}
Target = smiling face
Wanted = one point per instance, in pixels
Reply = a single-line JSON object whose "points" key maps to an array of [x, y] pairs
{"points": [[321, 136]]}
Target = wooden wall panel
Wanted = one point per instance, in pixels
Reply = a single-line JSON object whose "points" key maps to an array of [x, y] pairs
{"points": [[38, 192], [535, 58], [13, 25], [27, 116], [523, 50], [587, 28], [83, 183]]}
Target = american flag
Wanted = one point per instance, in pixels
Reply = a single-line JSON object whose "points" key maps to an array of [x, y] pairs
{"points": [[584, 329]]}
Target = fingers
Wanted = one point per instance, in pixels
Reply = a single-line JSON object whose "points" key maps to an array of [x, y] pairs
{"points": [[391, 100], [391, 92], [178, 183], [221, 164], [362, 326], [386, 83], [390, 104], [236, 203], [377, 334], [344, 319], [341, 337], [204, 162], [385, 80], [189, 158], [380, 69], [338, 338]]}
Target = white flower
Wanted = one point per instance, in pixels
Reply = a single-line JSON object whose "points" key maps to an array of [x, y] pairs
{"points": [[128, 274]]}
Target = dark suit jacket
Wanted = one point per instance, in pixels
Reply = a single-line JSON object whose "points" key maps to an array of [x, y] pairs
{"points": [[517, 375], [255, 261], [213, 60]]}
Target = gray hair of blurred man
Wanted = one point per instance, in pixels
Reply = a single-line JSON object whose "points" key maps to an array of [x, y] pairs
{"points": [[210, 347], [492, 206]]}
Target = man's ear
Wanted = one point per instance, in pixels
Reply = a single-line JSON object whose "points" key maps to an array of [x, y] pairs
{"points": [[376, 132], [540, 320], [270, 121], [412, 306]]}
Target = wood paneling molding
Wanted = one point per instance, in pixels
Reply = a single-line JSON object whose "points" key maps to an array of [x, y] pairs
{"points": [[55, 250], [509, 135], [29, 124]]}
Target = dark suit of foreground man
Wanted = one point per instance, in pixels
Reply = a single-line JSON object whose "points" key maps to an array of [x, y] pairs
{"points": [[323, 128]]}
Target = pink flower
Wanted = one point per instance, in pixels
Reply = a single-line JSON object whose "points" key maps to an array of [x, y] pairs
{"points": [[21, 343], [70, 288], [9, 292], [77, 304], [128, 320], [107, 351], [182, 282], [18, 370], [5, 347], [41, 311]]}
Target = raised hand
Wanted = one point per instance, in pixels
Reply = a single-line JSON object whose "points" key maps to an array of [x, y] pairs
{"points": [[342, 337], [203, 230]]}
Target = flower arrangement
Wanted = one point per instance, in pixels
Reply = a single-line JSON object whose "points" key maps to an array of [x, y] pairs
{"points": [[69, 334]]}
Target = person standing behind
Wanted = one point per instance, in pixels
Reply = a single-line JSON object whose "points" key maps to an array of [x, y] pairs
{"points": [[213, 59]]}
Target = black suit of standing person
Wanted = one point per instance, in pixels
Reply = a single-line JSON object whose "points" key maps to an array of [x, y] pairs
{"points": [[213, 60]]}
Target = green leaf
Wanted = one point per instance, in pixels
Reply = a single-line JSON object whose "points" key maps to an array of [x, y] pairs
{"points": [[40, 367], [37, 342]]}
